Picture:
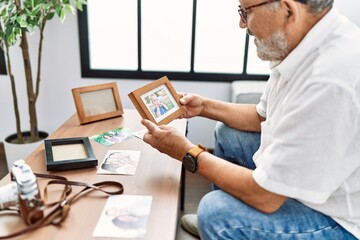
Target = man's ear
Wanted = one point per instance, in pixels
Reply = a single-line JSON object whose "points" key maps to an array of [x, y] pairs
{"points": [[292, 11]]}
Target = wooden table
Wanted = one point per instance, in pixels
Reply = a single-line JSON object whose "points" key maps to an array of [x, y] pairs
{"points": [[157, 175]]}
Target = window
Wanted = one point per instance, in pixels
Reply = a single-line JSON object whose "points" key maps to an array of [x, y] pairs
{"points": [[184, 40]]}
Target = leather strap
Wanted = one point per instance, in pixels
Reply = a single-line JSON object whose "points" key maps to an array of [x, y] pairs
{"points": [[195, 151], [57, 211]]}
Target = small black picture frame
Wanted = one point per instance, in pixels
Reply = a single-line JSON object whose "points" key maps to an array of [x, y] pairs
{"points": [[69, 153]]}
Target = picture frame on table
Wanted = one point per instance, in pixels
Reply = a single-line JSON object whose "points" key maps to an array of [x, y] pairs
{"points": [[157, 101], [97, 102], [69, 153]]}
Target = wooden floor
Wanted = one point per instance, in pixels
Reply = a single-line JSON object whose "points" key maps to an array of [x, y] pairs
{"points": [[196, 187]]}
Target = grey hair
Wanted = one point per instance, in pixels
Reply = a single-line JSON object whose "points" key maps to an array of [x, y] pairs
{"points": [[316, 6]]}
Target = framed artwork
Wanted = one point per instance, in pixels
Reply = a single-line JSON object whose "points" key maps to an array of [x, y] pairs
{"points": [[157, 101], [69, 153], [97, 102]]}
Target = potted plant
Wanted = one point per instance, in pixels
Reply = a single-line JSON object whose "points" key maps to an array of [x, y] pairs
{"points": [[20, 19]]}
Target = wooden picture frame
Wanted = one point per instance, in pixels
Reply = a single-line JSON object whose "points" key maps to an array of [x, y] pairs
{"points": [[97, 102], [69, 153], [157, 101]]}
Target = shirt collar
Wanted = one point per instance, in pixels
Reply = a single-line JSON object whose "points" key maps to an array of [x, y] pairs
{"points": [[310, 43]]}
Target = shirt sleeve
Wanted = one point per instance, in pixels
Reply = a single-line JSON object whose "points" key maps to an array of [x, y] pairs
{"points": [[314, 145]]}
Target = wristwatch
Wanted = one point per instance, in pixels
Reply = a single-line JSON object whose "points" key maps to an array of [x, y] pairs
{"points": [[190, 159]]}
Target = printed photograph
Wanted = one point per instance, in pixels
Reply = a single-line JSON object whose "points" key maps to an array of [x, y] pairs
{"points": [[160, 102], [120, 162], [124, 216], [113, 136], [157, 101]]}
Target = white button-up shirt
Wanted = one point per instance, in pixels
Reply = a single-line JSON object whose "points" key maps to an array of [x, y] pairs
{"points": [[310, 141]]}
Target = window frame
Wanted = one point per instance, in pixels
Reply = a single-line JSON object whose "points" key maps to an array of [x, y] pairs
{"points": [[3, 70], [87, 72]]}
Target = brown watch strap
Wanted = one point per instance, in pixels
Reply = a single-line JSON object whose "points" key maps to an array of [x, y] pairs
{"points": [[195, 151]]}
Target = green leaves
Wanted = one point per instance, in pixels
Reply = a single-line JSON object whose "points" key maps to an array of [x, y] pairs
{"points": [[31, 14], [21, 20], [79, 4]]}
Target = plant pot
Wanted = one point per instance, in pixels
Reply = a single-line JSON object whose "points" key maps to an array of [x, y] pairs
{"points": [[15, 151]]}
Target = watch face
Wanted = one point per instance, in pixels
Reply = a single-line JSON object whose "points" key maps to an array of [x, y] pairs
{"points": [[189, 163]]}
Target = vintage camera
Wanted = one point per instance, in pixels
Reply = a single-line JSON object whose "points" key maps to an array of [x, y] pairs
{"points": [[22, 193]]}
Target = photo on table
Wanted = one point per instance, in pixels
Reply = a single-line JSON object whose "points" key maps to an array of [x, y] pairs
{"points": [[113, 136], [124, 216], [122, 162]]}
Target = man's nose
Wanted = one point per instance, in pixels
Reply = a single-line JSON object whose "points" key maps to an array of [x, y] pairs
{"points": [[242, 24]]}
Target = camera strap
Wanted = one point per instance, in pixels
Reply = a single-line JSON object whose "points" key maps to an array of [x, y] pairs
{"points": [[56, 212]]}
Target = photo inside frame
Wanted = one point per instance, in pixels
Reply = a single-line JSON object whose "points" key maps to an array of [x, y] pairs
{"points": [[157, 101], [98, 102], [160, 102], [69, 152]]}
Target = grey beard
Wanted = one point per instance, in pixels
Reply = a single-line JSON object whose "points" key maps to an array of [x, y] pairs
{"points": [[274, 48]]}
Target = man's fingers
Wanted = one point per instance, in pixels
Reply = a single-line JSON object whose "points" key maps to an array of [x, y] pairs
{"points": [[151, 127], [147, 138], [184, 99]]}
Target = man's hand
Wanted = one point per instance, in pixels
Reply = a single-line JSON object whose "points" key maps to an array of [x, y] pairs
{"points": [[194, 105], [166, 139]]}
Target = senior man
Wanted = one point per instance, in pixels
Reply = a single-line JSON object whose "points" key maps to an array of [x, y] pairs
{"points": [[288, 167]]}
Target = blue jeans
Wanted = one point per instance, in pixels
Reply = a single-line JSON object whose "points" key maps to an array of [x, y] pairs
{"points": [[221, 216]]}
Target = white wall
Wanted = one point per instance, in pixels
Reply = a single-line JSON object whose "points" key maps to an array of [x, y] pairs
{"points": [[61, 73], [349, 8]]}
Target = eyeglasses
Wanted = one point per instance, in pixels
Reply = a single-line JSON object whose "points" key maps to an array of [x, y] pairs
{"points": [[243, 12]]}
